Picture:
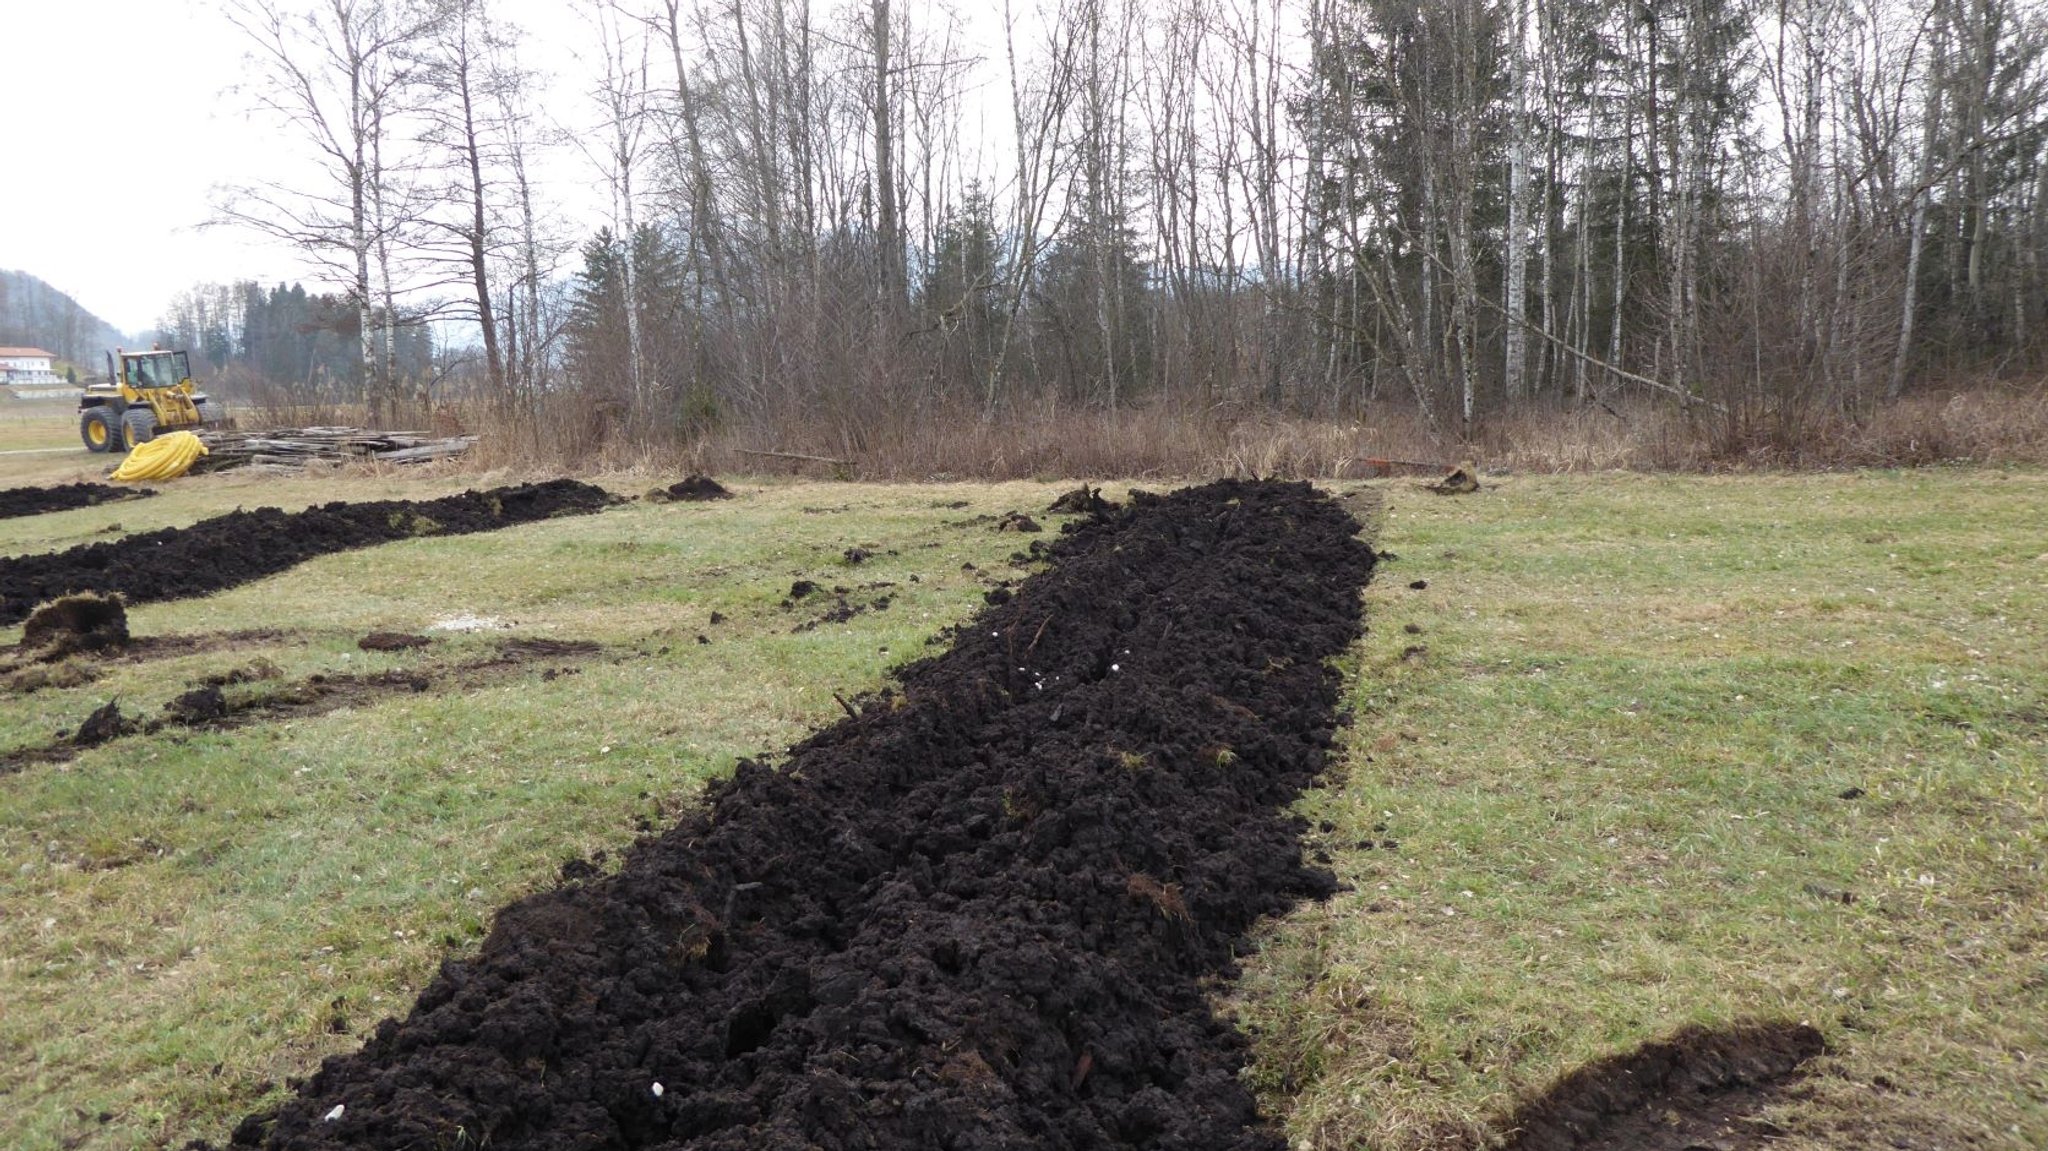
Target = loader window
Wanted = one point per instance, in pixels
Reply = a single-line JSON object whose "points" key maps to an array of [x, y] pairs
{"points": [[163, 371]]}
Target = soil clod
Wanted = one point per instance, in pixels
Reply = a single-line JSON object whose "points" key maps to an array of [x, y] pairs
{"points": [[691, 489], [1017, 522], [201, 705], [106, 723]]}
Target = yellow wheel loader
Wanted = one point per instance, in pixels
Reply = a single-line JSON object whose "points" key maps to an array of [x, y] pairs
{"points": [[144, 393]]}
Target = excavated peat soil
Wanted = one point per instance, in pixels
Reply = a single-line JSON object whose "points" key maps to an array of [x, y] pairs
{"points": [[982, 912], [225, 551], [35, 501]]}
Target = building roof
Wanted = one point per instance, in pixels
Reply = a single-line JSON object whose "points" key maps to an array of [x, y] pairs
{"points": [[13, 353]]}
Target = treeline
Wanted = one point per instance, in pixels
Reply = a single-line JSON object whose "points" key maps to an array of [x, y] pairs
{"points": [[35, 315], [866, 211], [283, 342]]}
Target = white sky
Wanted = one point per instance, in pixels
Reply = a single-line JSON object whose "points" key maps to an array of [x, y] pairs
{"points": [[90, 86]]}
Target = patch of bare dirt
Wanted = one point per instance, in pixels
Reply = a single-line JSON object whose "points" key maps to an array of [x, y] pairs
{"points": [[1699, 1090], [392, 641], [207, 707]]}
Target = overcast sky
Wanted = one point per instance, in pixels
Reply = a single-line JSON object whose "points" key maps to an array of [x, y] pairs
{"points": [[99, 89]]}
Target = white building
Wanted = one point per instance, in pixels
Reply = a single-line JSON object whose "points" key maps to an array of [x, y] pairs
{"points": [[28, 372]]}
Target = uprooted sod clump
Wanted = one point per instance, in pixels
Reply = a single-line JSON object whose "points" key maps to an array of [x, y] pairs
{"points": [[239, 547], [86, 622], [978, 913]]}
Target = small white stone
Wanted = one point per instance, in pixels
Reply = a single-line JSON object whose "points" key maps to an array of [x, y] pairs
{"points": [[659, 1091], [331, 1116]]}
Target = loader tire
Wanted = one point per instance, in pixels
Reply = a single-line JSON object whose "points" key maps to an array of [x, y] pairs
{"points": [[138, 427], [100, 428], [210, 414]]}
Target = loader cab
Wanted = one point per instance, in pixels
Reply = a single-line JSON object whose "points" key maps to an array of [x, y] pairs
{"points": [[145, 371]]}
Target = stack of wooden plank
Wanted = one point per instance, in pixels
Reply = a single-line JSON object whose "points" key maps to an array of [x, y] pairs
{"points": [[297, 447]]}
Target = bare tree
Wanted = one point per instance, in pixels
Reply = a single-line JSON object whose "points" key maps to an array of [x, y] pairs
{"points": [[335, 73]]}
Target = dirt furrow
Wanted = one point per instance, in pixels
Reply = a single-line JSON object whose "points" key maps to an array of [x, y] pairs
{"points": [[984, 912], [15, 502], [207, 707], [226, 551]]}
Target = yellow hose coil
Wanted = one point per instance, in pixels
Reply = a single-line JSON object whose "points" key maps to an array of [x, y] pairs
{"points": [[164, 458]]}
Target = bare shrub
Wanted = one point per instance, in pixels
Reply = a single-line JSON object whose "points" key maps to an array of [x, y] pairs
{"points": [[1045, 440]]}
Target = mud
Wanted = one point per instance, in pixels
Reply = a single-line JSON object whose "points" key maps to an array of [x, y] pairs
{"points": [[239, 547], [35, 501], [1698, 1089], [207, 707], [981, 912]]}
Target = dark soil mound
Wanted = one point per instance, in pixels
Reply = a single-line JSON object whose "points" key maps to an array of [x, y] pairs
{"points": [[35, 501], [693, 488], [236, 548], [1017, 522], [76, 623], [980, 915], [201, 705], [1699, 1088]]}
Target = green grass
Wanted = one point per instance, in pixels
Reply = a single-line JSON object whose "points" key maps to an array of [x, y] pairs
{"points": [[1603, 802], [1613, 787], [191, 920], [34, 442]]}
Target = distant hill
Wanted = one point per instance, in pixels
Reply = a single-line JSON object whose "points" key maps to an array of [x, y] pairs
{"points": [[34, 314]]}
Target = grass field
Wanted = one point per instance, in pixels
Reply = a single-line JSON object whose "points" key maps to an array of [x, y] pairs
{"points": [[1594, 788]]}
